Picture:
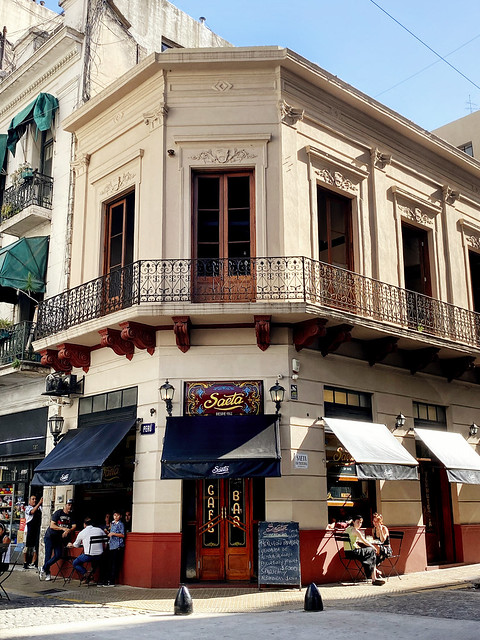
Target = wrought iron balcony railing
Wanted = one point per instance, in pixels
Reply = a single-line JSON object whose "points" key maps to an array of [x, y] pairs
{"points": [[16, 344], [34, 189], [273, 280]]}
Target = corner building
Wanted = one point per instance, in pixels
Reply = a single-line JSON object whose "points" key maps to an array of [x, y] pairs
{"points": [[241, 214]]}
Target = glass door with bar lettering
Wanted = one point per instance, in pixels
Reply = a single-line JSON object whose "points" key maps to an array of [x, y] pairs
{"points": [[224, 529]]}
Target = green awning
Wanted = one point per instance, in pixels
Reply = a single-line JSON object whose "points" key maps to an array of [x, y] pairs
{"points": [[3, 149], [41, 111], [23, 265]]}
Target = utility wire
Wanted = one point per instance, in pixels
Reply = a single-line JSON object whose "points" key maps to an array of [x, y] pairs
{"points": [[425, 44], [427, 67]]}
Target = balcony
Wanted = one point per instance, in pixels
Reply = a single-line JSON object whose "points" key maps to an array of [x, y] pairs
{"points": [[290, 288], [26, 204], [16, 346]]}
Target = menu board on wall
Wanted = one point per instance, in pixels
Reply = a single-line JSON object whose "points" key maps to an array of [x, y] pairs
{"points": [[243, 398]]}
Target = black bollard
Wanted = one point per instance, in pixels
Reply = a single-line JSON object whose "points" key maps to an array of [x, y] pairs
{"points": [[183, 602], [313, 599]]}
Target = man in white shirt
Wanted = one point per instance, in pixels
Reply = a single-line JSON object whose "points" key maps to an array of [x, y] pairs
{"points": [[92, 551]]}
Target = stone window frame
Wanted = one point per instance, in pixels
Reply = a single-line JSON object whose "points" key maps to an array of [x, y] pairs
{"points": [[470, 242]]}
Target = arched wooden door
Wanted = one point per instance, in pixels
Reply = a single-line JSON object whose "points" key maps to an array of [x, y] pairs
{"points": [[224, 529]]}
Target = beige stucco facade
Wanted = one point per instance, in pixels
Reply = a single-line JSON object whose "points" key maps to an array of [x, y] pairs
{"points": [[300, 131]]}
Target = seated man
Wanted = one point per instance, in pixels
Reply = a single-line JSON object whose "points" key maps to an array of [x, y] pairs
{"points": [[94, 551]]}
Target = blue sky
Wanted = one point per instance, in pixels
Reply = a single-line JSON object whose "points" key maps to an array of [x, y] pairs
{"points": [[356, 41]]}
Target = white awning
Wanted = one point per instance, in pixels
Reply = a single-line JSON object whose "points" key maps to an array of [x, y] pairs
{"points": [[377, 453], [461, 461]]}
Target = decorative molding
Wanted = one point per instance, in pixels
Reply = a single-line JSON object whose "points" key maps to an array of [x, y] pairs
{"points": [[454, 368], [473, 241], [222, 138], [340, 165], [398, 192], [112, 338], [450, 196], [181, 329], [262, 331], [76, 354], [223, 156], [290, 115], [416, 215], [336, 179], [142, 335], [80, 164], [50, 359], [157, 117], [377, 350], [334, 337], [117, 184], [419, 359], [118, 117], [380, 160], [222, 86], [304, 333]]}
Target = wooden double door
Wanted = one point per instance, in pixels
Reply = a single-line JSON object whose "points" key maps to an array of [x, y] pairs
{"points": [[224, 529]]}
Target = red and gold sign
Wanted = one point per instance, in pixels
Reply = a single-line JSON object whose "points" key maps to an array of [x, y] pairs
{"points": [[223, 398]]}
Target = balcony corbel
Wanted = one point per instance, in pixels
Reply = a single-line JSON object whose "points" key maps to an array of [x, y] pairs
{"points": [[335, 336], [456, 367], [378, 350], [142, 335], [181, 329], [112, 338], [76, 354], [262, 331], [304, 333], [50, 358], [418, 359]]}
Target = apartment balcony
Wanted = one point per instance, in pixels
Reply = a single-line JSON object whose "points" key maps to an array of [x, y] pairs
{"points": [[291, 291], [17, 357], [26, 204]]}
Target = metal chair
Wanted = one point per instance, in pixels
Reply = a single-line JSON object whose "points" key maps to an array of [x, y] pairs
{"points": [[10, 554], [94, 561], [391, 562], [352, 567]]}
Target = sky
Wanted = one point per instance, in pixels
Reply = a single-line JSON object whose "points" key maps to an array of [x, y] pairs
{"points": [[356, 41]]}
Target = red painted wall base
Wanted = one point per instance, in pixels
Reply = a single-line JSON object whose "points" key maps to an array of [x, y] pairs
{"points": [[467, 543], [152, 560]]}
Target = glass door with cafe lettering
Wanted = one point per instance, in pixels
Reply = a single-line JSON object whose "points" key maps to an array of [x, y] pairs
{"points": [[224, 529]]}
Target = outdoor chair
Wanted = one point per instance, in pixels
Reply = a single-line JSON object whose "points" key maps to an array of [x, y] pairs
{"points": [[95, 562], [10, 554], [352, 567], [390, 564]]}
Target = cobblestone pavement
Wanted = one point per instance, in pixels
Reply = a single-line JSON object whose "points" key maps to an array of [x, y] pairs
{"points": [[445, 594]]}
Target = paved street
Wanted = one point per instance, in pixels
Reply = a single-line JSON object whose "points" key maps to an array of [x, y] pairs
{"points": [[435, 604]]}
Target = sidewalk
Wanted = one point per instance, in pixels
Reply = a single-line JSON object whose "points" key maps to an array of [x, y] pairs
{"points": [[232, 599]]}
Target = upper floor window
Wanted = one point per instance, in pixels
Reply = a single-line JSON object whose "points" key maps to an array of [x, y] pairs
{"points": [[169, 44], [467, 148], [474, 261], [46, 154], [335, 229], [119, 227], [416, 263]]}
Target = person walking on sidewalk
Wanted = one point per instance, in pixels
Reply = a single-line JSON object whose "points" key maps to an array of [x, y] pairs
{"points": [[33, 518], [56, 538], [94, 549], [116, 545]]}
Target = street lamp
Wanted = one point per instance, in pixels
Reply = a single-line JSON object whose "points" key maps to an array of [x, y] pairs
{"points": [[167, 391], [472, 432], [55, 424], [277, 394], [400, 421]]}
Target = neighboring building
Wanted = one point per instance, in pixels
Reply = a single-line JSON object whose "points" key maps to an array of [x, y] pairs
{"points": [[241, 214], [463, 133], [51, 64]]}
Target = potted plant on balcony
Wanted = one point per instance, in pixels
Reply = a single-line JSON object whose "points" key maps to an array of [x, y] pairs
{"points": [[22, 173], [5, 326], [7, 211]]}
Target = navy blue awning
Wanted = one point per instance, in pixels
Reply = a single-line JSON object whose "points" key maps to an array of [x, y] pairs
{"points": [[79, 456], [221, 447]]}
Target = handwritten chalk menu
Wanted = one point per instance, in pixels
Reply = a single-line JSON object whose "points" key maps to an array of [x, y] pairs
{"points": [[278, 553]]}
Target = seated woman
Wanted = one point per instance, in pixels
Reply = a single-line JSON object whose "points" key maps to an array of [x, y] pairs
{"points": [[4, 537], [366, 554], [380, 532]]}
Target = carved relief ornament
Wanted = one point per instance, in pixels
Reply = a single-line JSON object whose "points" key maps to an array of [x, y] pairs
{"points": [[336, 179], [80, 164], [379, 159], [223, 156], [450, 196], [416, 215], [117, 183], [473, 241], [156, 118], [290, 115]]}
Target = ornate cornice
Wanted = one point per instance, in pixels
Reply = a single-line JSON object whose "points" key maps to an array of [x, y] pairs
{"points": [[50, 358], [76, 354], [223, 156], [290, 115], [112, 338], [142, 335]]}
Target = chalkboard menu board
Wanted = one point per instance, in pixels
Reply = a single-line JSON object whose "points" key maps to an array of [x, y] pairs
{"points": [[278, 553]]}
